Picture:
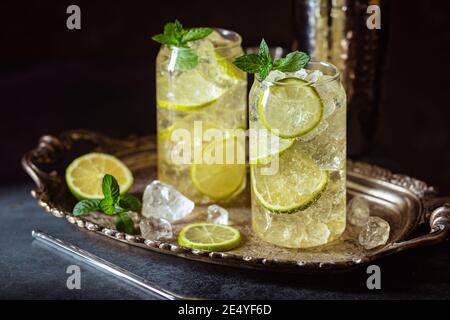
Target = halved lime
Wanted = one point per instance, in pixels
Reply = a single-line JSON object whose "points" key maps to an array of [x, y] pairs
{"points": [[219, 170], [186, 91], [290, 110], [296, 185], [209, 237], [85, 174]]}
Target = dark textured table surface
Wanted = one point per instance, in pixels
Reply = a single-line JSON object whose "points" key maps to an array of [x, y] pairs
{"points": [[29, 270]]}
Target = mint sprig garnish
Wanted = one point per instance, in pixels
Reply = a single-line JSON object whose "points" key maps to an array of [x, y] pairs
{"points": [[176, 37], [113, 203], [262, 63]]}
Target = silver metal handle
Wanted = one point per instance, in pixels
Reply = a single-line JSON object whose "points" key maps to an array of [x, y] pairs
{"points": [[106, 266]]}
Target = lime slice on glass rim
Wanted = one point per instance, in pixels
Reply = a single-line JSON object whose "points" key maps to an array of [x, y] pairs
{"points": [[220, 181], [290, 110], [186, 91], [85, 174], [209, 237], [297, 184]]}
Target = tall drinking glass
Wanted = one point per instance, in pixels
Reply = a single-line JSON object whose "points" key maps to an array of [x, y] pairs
{"points": [[297, 155], [211, 95]]}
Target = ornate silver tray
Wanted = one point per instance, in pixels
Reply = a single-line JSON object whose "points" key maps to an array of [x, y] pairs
{"points": [[406, 203]]}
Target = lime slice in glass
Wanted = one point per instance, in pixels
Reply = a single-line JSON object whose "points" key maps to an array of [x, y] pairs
{"points": [[209, 237], [222, 179], [215, 63], [186, 91], [291, 109], [296, 185], [85, 174]]}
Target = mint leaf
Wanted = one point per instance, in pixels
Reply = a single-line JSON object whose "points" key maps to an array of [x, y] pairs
{"points": [[195, 34], [86, 206], [173, 28], [129, 202], [262, 63], [264, 53], [186, 59], [110, 188], [178, 27], [292, 62], [124, 223], [175, 36], [165, 39], [107, 206], [249, 63], [264, 71]]}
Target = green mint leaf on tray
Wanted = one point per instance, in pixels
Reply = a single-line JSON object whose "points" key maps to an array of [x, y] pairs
{"points": [[129, 202], [176, 36], [110, 188], [124, 223], [262, 63], [107, 206], [292, 62], [86, 206], [113, 203]]}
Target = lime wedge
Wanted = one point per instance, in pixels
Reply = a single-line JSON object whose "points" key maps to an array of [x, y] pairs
{"points": [[226, 67], [209, 237], [84, 175], [186, 91], [165, 134], [220, 180], [298, 183], [290, 110], [215, 61]]}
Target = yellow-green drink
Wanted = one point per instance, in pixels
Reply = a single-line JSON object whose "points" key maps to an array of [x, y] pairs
{"points": [[298, 183], [193, 98], [297, 148]]}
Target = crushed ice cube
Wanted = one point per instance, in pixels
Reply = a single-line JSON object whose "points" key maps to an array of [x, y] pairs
{"points": [[217, 214], [316, 234], [301, 74], [321, 127], [161, 200], [358, 211], [314, 76], [275, 75], [155, 228], [374, 233]]}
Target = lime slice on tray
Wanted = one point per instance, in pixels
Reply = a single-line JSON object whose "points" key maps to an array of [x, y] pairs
{"points": [[290, 110], [84, 175], [298, 183], [223, 179], [209, 237], [186, 91]]}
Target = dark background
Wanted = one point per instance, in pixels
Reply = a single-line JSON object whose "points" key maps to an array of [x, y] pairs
{"points": [[102, 76]]}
